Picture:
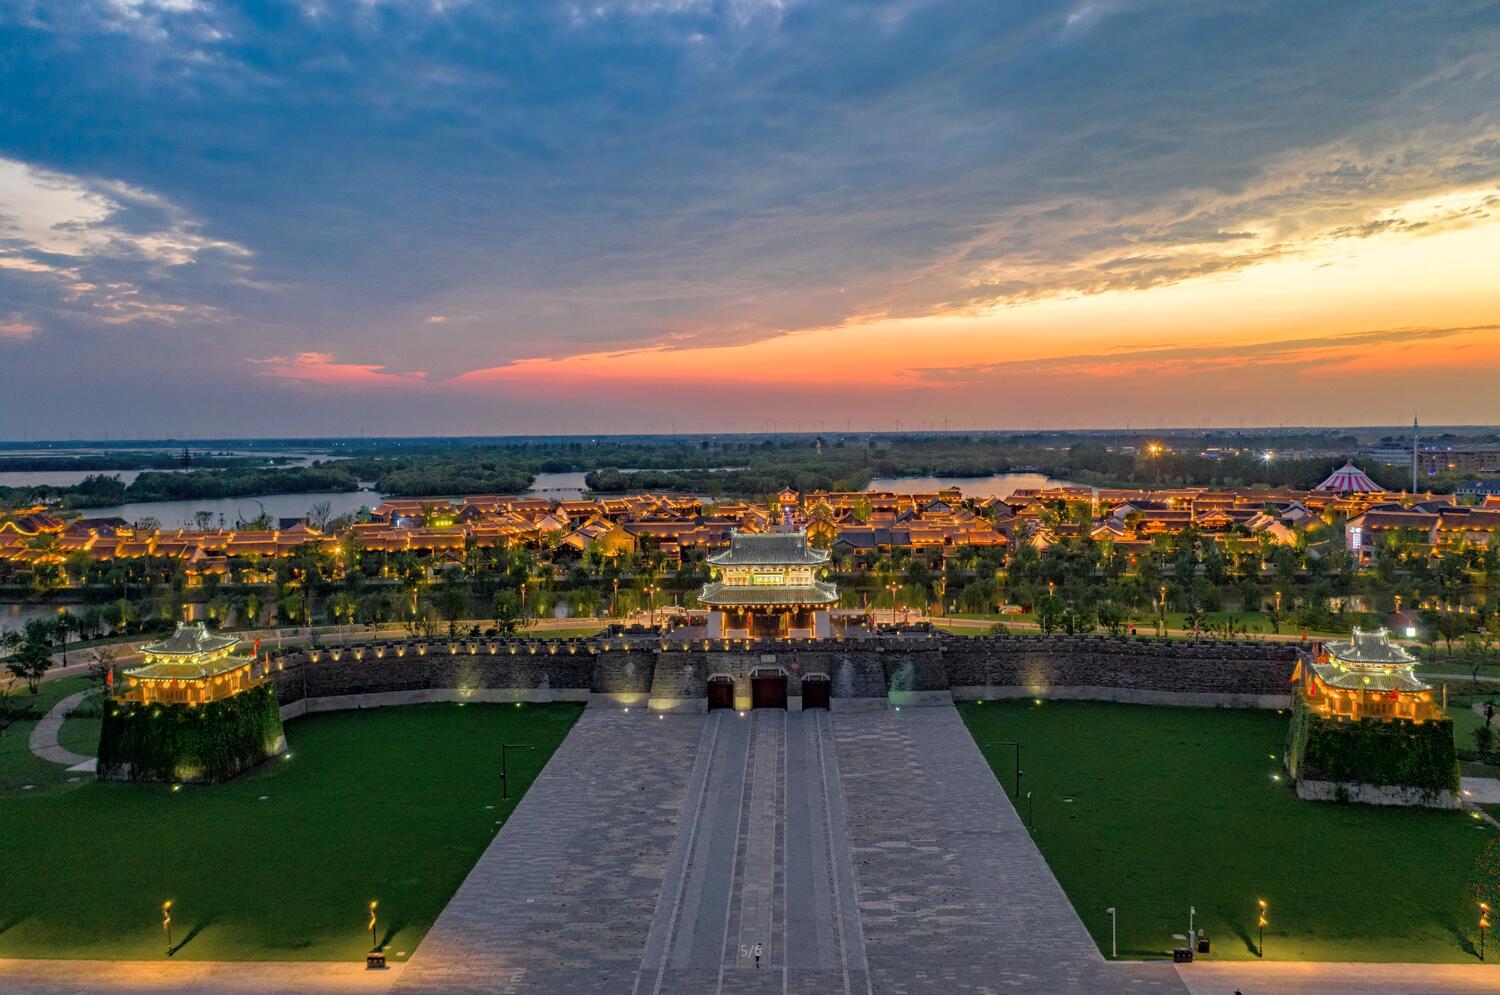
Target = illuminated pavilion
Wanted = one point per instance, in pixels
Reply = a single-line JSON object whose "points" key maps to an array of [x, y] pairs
{"points": [[766, 585], [191, 667], [1367, 677]]}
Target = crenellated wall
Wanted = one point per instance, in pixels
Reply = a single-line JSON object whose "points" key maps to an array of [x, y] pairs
{"points": [[873, 672], [1139, 669]]}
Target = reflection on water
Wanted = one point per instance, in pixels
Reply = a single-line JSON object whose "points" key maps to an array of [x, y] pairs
{"points": [[61, 478], [998, 485], [558, 486], [13, 617], [229, 512]]}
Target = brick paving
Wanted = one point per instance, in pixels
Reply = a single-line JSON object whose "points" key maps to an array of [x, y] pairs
{"points": [[865, 852], [562, 899]]}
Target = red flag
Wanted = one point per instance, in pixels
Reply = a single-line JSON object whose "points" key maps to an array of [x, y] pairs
{"points": [[109, 678], [256, 651]]}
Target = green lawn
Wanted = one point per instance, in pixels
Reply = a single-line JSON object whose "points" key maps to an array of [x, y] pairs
{"points": [[80, 733], [18, 767], [1153, 809], [389, 804]]}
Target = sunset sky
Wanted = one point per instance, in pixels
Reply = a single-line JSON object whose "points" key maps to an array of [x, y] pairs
{"points": [[454, 216]]}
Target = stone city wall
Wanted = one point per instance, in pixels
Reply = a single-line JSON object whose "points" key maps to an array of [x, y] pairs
{"points": [[1138, 669], [674, 674]]}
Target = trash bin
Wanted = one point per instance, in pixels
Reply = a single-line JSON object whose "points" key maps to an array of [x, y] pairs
{"points": [[1202, 942], [375, 960], [1182, 955]]}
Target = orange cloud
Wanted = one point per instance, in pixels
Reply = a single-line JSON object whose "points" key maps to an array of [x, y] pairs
{"points": [[1433, 288], [16, 328], [320, 368]]}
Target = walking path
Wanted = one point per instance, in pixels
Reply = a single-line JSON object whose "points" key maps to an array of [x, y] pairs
{"points": [[43, 741], [152, 977], [1321, 978]]}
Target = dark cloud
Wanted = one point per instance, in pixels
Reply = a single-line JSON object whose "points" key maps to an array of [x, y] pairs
{"points": [[565, 177]]}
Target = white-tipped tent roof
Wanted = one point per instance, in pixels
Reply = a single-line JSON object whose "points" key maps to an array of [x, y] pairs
{"points": [[1349, 479]]}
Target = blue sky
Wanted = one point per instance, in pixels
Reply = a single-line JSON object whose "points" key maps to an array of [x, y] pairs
{"points": [[391, 216]]}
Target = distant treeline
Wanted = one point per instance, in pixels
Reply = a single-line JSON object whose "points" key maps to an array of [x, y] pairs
{"points": [[714, 468], [121, 461], [847, 467]]}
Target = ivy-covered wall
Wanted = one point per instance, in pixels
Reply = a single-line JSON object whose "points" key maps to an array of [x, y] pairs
{"points": [[1371, 752], [211, 742]]}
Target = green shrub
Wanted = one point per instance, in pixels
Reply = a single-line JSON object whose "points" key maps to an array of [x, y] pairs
{"points": [[1370, 751], [212, 742]]}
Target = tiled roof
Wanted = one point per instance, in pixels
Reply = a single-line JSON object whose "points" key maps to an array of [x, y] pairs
{"points": [[718, 594], [769, 549], [189, 640], [1370, 649]]}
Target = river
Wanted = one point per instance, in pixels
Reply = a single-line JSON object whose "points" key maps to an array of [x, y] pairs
{"points": [[231, 511], [67, 478], [999, 485]]}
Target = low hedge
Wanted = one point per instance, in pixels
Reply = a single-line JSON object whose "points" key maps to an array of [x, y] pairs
{"points": [[1369, 751], [211, 742]]}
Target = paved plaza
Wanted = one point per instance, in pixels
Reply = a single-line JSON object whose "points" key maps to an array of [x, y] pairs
{"points": [[868, 851]]}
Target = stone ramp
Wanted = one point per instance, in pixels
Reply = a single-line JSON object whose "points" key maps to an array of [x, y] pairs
{"points": [[760, 859]]}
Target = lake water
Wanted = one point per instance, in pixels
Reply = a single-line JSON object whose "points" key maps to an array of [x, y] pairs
{"points": [[999, 485], [232, 511], [67, 478], [59, 478], [13, 617], [558, 486], [180, 514]]}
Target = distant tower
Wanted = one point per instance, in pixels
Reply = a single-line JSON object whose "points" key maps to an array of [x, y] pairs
{"points": [[1414, 454]]}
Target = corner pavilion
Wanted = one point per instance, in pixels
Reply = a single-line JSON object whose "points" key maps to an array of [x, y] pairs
{"points": [[1366, 677], [765, 585], [192, 667]]}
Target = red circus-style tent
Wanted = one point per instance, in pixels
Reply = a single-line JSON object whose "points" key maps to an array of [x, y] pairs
{"points": [[1349, 479]]}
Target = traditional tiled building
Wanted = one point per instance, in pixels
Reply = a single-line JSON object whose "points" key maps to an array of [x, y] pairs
{"points": [[766, 584]]}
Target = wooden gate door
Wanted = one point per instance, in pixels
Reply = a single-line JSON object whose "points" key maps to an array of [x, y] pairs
{"points": [[768, 692], [720, 693], [815, 692]]}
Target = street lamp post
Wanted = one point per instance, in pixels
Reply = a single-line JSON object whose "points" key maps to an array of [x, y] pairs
{"points": [[651, 590], [505, 771], [1030, 821], [1484, 925], [892, 588], [374, 943], [1278, 602], [1261, 925], [1114, 950], [166, 924]]}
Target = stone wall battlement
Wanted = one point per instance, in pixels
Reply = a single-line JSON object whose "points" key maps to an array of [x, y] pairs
{"points": [[635, 669]]}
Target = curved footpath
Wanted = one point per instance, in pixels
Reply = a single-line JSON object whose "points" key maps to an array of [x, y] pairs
{"points": [[44, 742]]}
